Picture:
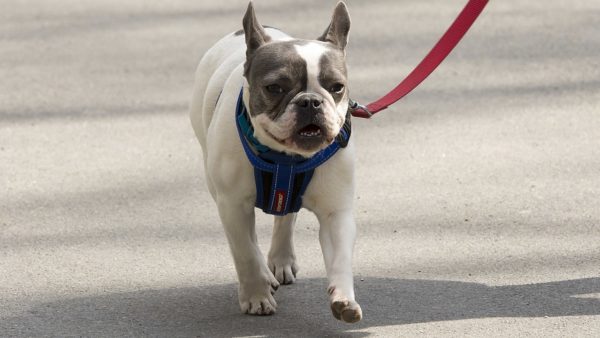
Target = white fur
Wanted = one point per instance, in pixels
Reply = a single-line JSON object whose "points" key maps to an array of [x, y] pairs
{"points": [[230, 180], [279, 129], [311, 53]]}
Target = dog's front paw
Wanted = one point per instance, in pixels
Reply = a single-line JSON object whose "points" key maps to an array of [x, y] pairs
{"points": [[343, 308], [257, 298], [283, 267], [346, 310], [262, 305]]}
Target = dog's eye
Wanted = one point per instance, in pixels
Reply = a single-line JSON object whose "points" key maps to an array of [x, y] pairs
{"points": [[336, 88], [274, 89]]}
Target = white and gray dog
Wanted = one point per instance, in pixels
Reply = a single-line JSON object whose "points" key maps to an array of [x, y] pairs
{"points": [[295, 95]]}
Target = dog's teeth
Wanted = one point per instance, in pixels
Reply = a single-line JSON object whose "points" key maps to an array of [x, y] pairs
{"points": [[310, 133]]}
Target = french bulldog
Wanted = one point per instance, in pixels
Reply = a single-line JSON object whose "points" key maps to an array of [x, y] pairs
{"points": [[295, 92]]}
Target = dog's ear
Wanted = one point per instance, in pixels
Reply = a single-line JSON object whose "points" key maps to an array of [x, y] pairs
{"points": [[337, 31], [255, 34]]}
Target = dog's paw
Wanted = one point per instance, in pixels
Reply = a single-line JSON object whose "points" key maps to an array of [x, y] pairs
{"points": [[283, 268], [262, 305], [344, 309], [257, 298]]}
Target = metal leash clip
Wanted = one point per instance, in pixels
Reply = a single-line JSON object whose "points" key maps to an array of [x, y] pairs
{"points": [[354, 106]]}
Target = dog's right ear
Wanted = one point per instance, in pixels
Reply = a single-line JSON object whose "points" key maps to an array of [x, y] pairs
{"points": [[254, 32]]}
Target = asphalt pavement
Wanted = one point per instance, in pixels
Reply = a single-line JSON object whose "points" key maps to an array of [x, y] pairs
{"points": [[478, 195]]}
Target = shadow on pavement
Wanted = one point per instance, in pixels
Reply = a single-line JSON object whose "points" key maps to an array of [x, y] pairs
{"points": [[212, 311]]}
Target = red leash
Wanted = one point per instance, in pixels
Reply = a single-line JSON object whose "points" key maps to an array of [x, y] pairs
{"points": [[438, 53]]}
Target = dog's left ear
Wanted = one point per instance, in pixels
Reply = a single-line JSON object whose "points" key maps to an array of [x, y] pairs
{"points": [[337, 31], [254, 32]]}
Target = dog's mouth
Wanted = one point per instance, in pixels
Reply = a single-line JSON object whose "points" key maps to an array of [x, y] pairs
{"points": [[310, 131], [308, 138]]}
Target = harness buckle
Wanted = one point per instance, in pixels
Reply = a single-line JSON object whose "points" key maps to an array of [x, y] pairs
{"points": [[354, 105]]}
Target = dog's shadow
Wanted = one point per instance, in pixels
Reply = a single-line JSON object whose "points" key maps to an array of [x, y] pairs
{"points": [[212, 311]]}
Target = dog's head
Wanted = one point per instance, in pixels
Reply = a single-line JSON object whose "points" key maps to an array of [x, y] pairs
{"points": [[298, 97]]}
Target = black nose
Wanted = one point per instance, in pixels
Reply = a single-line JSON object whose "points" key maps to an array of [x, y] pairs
{"points": [[309, 103]]}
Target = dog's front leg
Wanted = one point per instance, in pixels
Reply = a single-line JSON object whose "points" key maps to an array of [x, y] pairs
{"points": [[257, 284], [337, 233], [282, 260]]}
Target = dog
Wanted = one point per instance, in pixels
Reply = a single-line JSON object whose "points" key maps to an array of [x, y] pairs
{"points": [[293, 98]]}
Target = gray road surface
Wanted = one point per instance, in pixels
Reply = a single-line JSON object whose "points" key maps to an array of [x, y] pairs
{"points": [[478, 195]]}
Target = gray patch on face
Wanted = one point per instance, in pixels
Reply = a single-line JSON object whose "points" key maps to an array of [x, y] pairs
{"points": [[276, 63], [333, 72]]}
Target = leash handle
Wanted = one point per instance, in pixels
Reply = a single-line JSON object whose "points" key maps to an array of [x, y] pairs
{"points": [[438, 53]]}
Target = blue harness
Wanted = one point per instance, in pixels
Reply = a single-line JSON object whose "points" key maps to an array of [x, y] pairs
{"points": [[281, 179]]}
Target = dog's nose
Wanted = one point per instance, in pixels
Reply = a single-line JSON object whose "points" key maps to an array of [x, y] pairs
{"points": [[309, 103]]}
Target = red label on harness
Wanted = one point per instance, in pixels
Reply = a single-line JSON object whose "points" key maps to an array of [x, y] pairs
{"points": [[279, 201]]}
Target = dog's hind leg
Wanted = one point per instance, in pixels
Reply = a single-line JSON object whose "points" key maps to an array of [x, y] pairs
{"points": [[282, 259]]}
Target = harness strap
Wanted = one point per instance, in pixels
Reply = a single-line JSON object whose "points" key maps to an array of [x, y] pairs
{"points": [[438, 53]]}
